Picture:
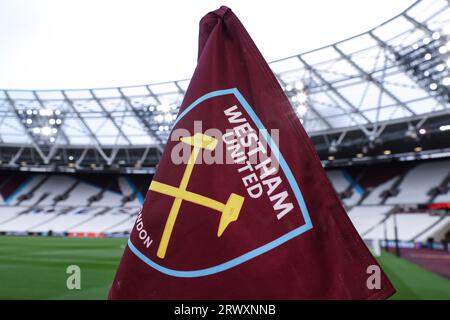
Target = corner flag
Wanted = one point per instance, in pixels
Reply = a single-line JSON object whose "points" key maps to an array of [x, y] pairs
{"points": [[240, 206]]}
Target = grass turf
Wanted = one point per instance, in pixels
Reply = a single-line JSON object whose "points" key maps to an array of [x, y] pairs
{"points": [[35, 268], [412, 281]]}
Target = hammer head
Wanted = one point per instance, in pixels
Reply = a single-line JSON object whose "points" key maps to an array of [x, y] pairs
{"points": [[201, 141], [231, 212]]}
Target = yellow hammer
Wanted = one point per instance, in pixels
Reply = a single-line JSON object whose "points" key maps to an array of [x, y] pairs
{"points": [[230, 210]]}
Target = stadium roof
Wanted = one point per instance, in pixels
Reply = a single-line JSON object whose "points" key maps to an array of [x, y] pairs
{"points": [[398, 72]]}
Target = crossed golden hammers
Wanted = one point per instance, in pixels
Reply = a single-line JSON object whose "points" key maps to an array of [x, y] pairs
{"points": [[229, 211]]}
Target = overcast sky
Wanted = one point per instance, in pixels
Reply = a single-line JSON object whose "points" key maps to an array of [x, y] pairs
{"points": [[97, 43]]}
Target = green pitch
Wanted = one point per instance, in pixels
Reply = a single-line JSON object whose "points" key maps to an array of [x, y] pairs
{"points": [[35, 268]]}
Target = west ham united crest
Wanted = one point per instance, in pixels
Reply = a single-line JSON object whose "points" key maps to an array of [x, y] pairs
{"points": [[222, 195]]}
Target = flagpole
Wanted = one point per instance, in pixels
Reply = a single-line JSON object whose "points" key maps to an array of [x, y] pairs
{"points": [[397, 249]]}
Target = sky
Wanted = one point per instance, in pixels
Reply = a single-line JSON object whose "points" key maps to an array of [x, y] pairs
{"points": [[61, 44]]}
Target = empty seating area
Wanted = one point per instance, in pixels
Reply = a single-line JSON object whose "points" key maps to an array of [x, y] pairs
{"points": [[444, 197], [124, 226], [393, 183], [437, 231], [109, 203], [372, 193], [7, 213], [375, 196], [28, 220], [48, 189], [62, 219], [102, 190], [79, 195], [366, 217], [64, 203], [419, 181], [337, 178], [346, 187], [101, 222], [65, 222], [409, 226]]}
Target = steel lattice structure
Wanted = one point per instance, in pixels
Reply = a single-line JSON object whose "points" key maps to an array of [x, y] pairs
{"points": [[368, 89]]}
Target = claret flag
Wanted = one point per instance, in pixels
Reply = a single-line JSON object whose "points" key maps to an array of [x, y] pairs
{"points": [[240, 206]]}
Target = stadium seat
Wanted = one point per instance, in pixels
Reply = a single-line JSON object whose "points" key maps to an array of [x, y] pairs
{"points": [[419, 181], [80, 194], [375, 195], [366, 217], [26, 221], [68, 220], [8, 213], [338, 180], [101, 223], [409, 226], [50, 188]]}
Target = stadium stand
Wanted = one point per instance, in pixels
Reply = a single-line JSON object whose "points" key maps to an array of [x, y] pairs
{"points": [[366, 217], [122, 227], [372, 194], [444, 197], [418, 182], [21, 192], [102, 203], [67, 220], [79, 195], [34, 217], [7, 213], [109, 198], [47, 190], [101, 222], [375, 197], [129, 214], [436, 231], [409, 226], [347, 188], [337, 178]]}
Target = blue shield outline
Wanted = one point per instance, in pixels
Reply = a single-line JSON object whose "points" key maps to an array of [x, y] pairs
{"points": [[264, 248]]}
